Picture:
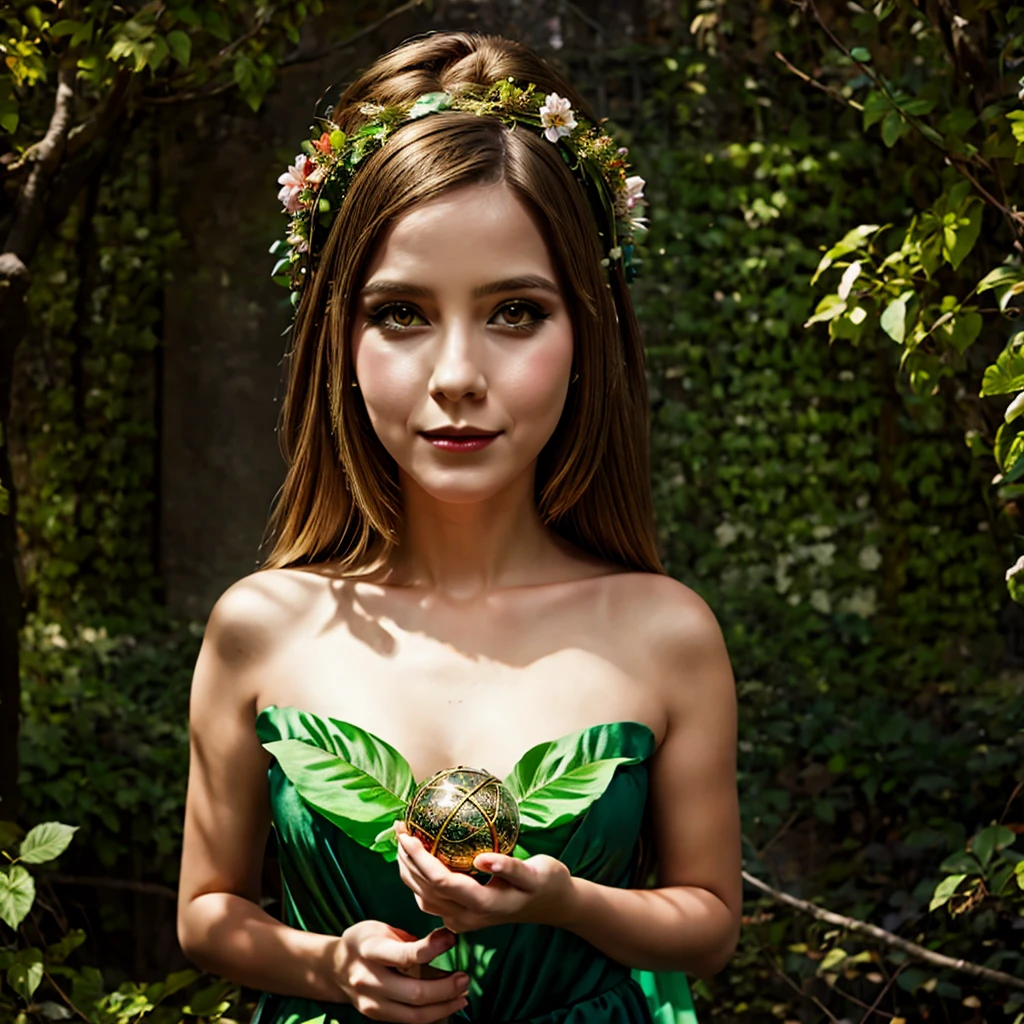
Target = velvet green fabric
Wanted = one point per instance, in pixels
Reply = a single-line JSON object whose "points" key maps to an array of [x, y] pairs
{"points": [[335, 790]]}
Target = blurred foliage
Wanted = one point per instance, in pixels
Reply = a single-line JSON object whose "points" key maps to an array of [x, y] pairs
{"points": [[40, 983], [833, 502], [838, 485]]}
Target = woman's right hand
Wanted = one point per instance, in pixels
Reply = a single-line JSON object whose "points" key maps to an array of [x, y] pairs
{"points": [[368, 960]]}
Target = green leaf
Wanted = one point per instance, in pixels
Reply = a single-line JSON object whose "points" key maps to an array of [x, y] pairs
{"points": [[959, 239], [827, 309], [944, 891], [25, 979], [1004, 376], [876, 106], [210, 1001], [17, 894], [861, 53], [350, 776], [850, 275], [66, 27], [1006, 281], [989, 840], [962, 330], [893, 126], [832, 959], [429, 103], [59, 951], [9, 115], [894, 319], [554, 782], [851, 241], [46, 842], [181, 46]]}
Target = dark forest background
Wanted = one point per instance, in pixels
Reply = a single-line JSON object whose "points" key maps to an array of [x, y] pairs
{"points": [[830, 296]]}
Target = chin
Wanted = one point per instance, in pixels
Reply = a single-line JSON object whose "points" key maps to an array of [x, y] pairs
{"points": [[466, 491]]}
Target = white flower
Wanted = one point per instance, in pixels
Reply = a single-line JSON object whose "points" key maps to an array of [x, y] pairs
{"points": [[294, 180], [820, 601], [1015, 568], [556, 116], [634, 190]]}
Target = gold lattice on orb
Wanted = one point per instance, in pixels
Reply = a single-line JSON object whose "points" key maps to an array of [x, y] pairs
{"points": [[462, 812]]}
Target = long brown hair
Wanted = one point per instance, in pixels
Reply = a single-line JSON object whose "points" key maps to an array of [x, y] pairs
{"points": [[340, 500]]}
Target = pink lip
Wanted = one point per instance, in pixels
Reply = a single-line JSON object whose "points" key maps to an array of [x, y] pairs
{"points": [[459, 443]]}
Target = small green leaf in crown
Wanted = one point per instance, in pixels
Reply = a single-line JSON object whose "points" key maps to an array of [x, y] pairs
{"points": [[313, 187]]}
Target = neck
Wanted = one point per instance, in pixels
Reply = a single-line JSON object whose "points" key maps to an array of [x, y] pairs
{"points": [[463, 551]]}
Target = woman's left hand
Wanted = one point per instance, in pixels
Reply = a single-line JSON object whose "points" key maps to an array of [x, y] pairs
{"points": [[537, 890]]}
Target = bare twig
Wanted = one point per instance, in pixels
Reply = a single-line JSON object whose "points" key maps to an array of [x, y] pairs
{"points": [[881, 935], [1015, 219], [64, 995], [881, 995], [308, 58], [792, 984], [295, 59], [1013, 796], [818, 85], [778, 835]]}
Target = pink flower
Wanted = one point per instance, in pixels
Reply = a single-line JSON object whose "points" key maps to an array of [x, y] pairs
{"points": [[634, 190], [556, 116], [294, 180]]}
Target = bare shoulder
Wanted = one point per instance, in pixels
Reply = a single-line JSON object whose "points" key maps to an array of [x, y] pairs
{"points": [[254, 615], [684, 645]]}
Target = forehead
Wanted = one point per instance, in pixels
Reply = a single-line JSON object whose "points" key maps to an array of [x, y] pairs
{"points": [[465, 235]]}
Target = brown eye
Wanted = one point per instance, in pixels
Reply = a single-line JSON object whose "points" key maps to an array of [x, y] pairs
{"points": [[515, 312], [521, 316], [403, 315]]}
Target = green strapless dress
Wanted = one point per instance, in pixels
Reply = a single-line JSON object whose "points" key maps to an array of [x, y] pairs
{"points": [[336, 789]]}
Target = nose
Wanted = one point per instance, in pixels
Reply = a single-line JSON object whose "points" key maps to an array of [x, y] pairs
{"points": [[458, 370]]}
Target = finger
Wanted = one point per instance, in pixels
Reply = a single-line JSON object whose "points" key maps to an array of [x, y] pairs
{"points": [[506, 869], [391, 952], [435, 878], [421, 991], [388, 1009]]}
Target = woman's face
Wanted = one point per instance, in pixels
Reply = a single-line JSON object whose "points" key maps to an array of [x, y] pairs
{"points": [[462, 343]]}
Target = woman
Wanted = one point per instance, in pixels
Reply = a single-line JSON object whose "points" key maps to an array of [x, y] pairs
{"points": [[464, 564]]}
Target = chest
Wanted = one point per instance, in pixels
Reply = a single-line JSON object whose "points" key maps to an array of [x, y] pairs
{"points": [[479, 692]]}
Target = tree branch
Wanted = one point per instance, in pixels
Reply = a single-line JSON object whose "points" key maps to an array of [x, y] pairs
{"points": [[880, 934], [47, 155], [293, 59]]}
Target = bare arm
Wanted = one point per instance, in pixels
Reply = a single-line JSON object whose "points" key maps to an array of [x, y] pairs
{"points": [[372, 966], [227, 818], [691, 922]]}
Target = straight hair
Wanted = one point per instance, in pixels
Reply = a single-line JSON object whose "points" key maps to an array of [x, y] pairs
{"points": [[340, 501]]}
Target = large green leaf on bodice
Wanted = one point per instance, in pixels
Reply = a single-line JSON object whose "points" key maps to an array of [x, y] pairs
{"points": [[352, 777], [362, 784], [557, 781]]}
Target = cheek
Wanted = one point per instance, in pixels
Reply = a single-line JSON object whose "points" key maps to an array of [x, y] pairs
{"points": [[390, 384], [535, 386]]}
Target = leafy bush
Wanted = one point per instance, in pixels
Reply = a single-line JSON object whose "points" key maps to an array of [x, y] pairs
{"points": [[40, 983]]}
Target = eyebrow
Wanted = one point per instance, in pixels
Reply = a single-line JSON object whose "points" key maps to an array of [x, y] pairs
{"points": [[510, 284]]}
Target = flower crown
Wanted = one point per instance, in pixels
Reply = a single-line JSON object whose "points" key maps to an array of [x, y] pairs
{"points": [[314, 186]]}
